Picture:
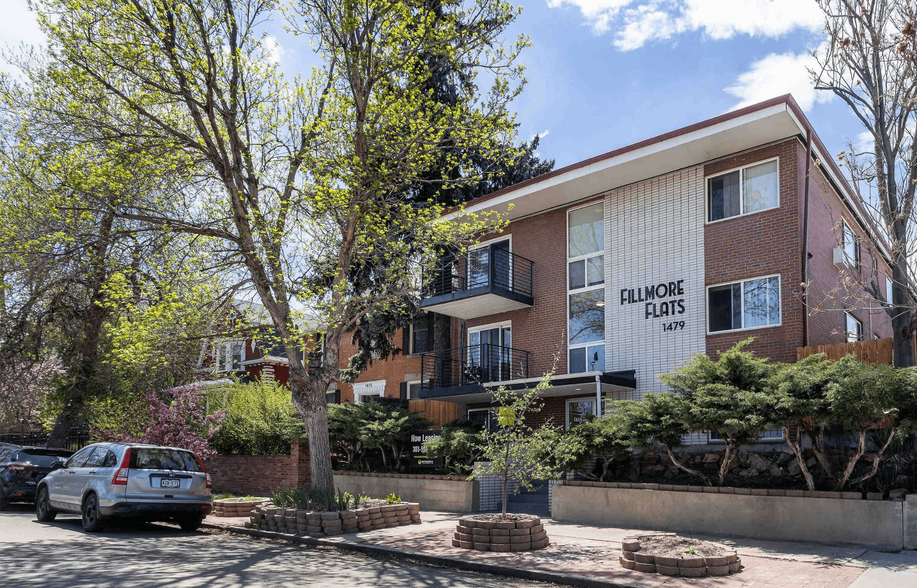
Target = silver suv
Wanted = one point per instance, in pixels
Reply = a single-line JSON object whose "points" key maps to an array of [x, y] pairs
{"points": [[146, 482]]}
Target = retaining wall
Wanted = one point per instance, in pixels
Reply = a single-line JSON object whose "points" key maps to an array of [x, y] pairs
{"points": [[432, 492], [876, 523], [260, 474]]}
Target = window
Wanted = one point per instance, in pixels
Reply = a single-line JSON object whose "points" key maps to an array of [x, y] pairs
{"points": [[489, 355], [744, 191], [229, 356], [413, 389], [580, 410], [364, 390], [419, 337], [485, 416], [79, 458], [586, 289], [854, 328], [744, 305], [850, 244], [889, 296]]}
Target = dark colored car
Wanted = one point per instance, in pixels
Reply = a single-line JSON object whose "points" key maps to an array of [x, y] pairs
{"points": [[21, 468]]}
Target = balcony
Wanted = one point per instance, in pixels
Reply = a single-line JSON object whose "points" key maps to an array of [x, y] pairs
{"points": [[484, 281], [465, 370]]}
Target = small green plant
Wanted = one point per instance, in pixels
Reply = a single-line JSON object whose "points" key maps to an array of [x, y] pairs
{"points": [[690, 550], [223, 496], [362, 499], [342, 500], [290, 498], [392, 499]]}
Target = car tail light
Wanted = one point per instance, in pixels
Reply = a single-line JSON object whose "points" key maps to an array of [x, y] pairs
{"points": [[199, 461], [120, 478]]}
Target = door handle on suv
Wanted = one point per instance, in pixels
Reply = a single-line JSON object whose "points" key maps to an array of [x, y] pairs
{"points": [[92, 472]]}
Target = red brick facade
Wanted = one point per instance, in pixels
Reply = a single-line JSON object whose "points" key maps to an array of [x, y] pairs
{"points": [[260, 474]]}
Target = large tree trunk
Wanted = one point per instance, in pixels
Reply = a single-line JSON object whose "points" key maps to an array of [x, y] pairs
{"points": [[87, 357], [902, 317], [800, 458]]}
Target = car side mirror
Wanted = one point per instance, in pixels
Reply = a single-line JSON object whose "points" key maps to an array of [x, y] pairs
{"points": [[57, 465]]}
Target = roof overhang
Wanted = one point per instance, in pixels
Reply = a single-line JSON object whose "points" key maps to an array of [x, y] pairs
{"points": [[734, 132]]}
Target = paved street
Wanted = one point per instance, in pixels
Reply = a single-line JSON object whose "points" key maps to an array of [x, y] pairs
{"points": [[61, 554]]}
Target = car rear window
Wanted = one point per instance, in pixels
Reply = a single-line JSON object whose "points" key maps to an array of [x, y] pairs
{"points": [[146, 458], [43, 458]]}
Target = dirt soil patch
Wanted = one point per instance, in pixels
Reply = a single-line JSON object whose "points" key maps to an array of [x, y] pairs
{"points": [[499, 518], [674, 546]]}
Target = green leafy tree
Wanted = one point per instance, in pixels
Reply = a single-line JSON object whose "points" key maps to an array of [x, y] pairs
{"points": [[345, 424], [260, 418], [300, 182], [799, 403], [459, 445], [517, 450], [863, 397], [727, 395], [389, 430], [657, 419], [600, 437]]}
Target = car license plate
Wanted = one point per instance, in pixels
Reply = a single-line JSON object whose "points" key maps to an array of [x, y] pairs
{"points": [[169, 483]]}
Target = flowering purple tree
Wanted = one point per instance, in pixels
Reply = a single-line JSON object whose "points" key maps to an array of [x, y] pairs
{"points": [[180, 420]]}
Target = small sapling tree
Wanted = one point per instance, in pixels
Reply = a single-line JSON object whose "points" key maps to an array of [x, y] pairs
{"points": [[516, 450]]}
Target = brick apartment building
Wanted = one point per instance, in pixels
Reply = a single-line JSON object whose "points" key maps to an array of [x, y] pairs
{"points": [[624, 265]]}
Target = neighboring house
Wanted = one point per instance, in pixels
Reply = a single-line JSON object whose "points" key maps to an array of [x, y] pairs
{"points": [[624, 265]]}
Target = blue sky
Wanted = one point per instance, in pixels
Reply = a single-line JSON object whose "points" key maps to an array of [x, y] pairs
{"points": [[606, 73]]}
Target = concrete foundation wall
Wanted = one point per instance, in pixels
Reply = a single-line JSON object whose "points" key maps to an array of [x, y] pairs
{"points": [[821, 520], [432, 494]]}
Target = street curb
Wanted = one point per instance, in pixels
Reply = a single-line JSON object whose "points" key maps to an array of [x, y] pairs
{"points": [[457, 563]]}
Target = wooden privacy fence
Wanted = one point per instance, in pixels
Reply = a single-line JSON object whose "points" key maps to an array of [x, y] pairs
{"points": [[875, 351], [436, 410]]}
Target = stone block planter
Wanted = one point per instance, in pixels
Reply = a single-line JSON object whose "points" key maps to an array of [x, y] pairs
{"points": [[490, 533], [327, 524], [637, 553], [233, 507]]}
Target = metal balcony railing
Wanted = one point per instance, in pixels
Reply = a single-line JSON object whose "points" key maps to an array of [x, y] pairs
{"points": [[492, 266], [475, 364]]}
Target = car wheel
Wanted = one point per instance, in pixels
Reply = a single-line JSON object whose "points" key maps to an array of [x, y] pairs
{"points": [[43, 511], [190, 523], [92, 521]]}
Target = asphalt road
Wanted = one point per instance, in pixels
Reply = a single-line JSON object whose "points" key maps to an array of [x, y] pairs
{"points": [[61, 554]]}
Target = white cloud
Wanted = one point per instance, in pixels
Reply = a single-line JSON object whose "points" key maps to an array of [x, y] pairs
{"points": [[778, 74], [641, 21], [864, 142], [273, 49]]}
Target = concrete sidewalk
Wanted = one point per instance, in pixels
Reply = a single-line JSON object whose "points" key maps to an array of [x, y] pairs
{"points": [[588, 556]]}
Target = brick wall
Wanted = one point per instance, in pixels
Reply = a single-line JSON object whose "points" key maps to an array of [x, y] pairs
{"points": [[259, 474], [761, 244], [539, 329], [394, 371], [830, 296]]}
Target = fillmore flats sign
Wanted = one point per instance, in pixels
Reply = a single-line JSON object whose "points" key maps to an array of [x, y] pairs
{"points": [[659, 300]]}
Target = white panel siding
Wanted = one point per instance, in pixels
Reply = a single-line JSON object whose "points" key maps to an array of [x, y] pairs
{"points": [[654, 233]]}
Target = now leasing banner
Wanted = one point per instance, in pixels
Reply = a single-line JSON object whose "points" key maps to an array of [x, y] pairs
{"points": [[419, 457]]}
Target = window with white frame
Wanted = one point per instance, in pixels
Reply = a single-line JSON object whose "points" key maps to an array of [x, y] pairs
{"points": [[586, 289], [229, 356], [749, 304], [850, 244], [888, 289], [363, 390], [854, 328], [489, 356], [580, 410], [749, 189]]}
